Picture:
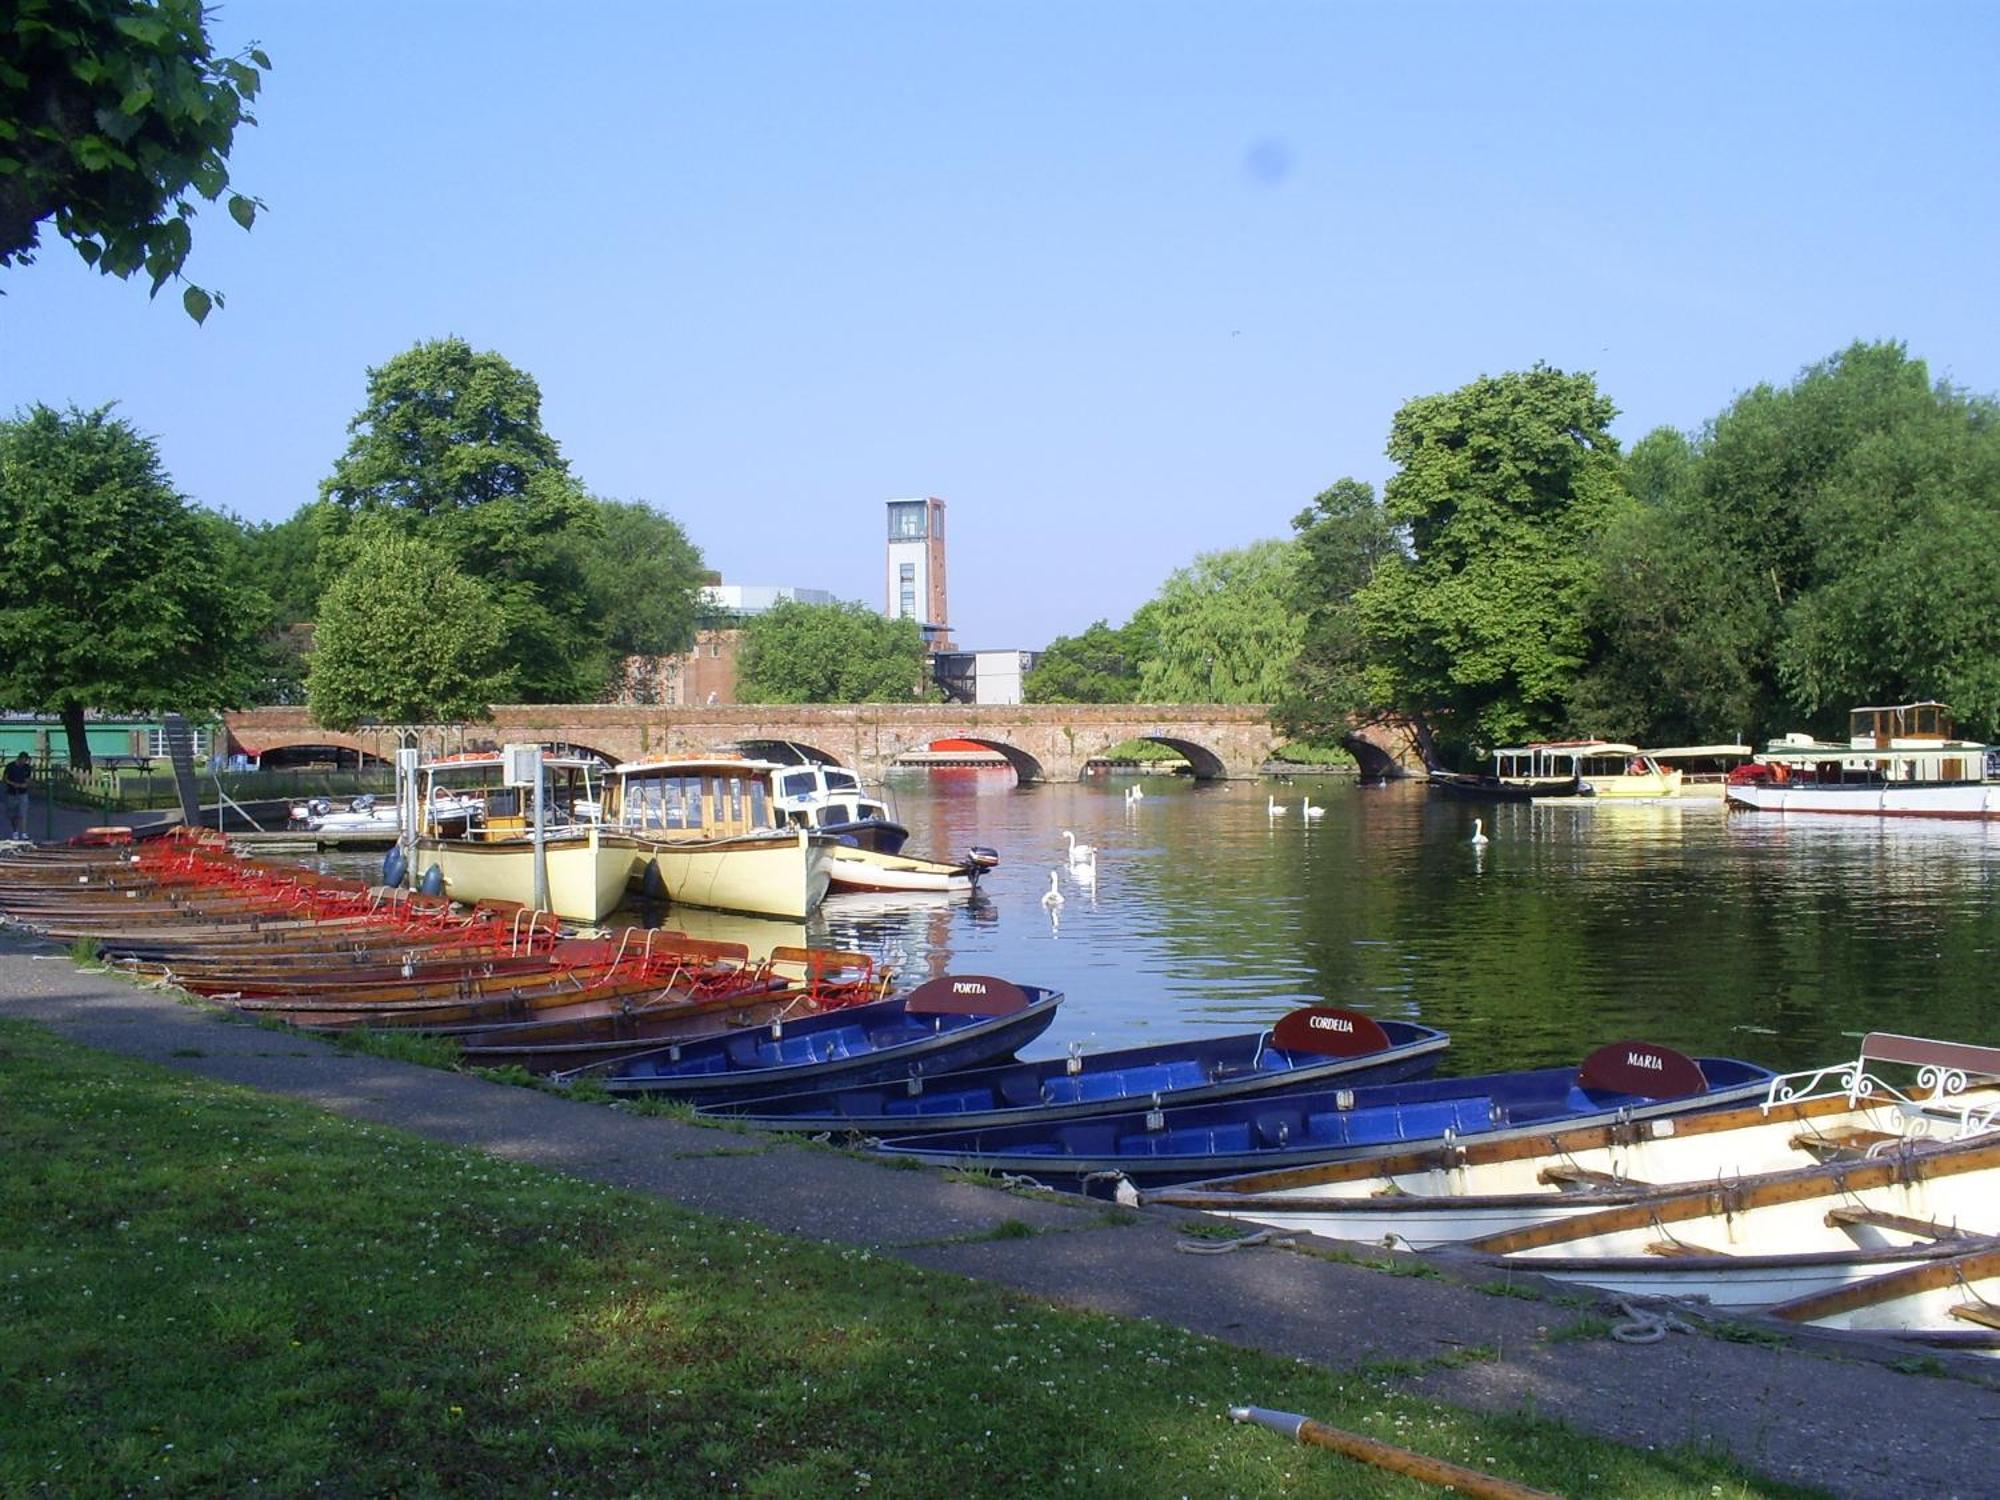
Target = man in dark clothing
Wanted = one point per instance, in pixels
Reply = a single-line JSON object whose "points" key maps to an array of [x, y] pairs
{"points": [[18, 776]]}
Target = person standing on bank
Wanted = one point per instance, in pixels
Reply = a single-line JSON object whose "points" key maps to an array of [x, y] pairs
{"points": [[19, 776]]}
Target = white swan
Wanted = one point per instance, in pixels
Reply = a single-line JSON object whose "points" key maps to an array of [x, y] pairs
{"points": [[1134, 793], [1053, 896], [1309, 810], [1078, 853], [1273, 809], [1479, 832]]}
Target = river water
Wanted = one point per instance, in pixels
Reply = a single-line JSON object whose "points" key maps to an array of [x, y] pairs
{"points": [[1749, 935]]}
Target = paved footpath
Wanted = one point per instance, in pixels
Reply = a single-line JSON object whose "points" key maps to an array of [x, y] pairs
{"points": [[1821, 1413]]}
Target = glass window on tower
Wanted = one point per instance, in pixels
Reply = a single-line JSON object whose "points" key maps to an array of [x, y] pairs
{"points": [[906, 521]]}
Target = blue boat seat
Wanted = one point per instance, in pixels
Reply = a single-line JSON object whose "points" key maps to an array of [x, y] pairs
{"points": [[1278, 1127], [1020, 1087], [747, 1051]]}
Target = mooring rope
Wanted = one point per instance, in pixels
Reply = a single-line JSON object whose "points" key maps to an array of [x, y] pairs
{"points": [[1644, 1326], [1269, 1237]]}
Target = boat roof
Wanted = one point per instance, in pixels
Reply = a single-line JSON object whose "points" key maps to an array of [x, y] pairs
{"points": [[736, 763], [476, 760], [1689, 752], [1605, 745]]}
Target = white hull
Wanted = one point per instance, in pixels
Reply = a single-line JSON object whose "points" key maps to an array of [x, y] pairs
{"points": [[763, 874], [588, 870], [1971, 799], [867, 870]]}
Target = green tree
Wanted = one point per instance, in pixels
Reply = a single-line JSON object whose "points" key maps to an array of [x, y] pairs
{"points": [[644, 577], [115, 593], [1481, 631], [450, 447], [1680, 619], [1342, 537], [1229, 629], [115, 115], [1101, 665], [830, 653], [403, 637]]}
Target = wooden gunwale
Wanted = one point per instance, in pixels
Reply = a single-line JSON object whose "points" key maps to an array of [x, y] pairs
{"points": [[1967, 1266], [1797, 1186]]}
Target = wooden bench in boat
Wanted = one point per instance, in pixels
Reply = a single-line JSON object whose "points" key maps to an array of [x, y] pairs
{"points": [[1983, 1313], [1875, 1218], [1678, 1248], [1854, 1138], [1584, 1177]]}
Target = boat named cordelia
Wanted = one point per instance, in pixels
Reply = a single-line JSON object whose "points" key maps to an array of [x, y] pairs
{"points": [[1898, 761]]}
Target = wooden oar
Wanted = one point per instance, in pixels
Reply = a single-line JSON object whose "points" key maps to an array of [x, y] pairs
{"points": [[1383, 1455]]}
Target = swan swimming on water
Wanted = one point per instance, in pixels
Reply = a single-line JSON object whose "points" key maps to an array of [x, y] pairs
{"points": [[1079, 853], [1053, 896], [1479, 832], [1310, 811], [1134, 794]]}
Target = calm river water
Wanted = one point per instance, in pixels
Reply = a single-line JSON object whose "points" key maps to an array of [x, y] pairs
{"points": [[1716, 932]]}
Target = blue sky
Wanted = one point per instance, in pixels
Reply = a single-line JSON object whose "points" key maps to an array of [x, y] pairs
{"points": [[1123, 283]]}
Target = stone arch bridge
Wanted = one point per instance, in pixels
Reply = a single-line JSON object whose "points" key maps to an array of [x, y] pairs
{"points": [[1042, 741]]}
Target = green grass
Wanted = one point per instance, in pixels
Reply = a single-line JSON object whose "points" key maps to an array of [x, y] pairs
{"points": [[205, 1290], [400, 1046]]}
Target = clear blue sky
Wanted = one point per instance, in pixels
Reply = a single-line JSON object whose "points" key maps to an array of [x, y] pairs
{"points": [[1122, 282]]}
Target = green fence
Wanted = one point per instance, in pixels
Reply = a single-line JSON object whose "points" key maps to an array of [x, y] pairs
{"points": [[126, 790]]}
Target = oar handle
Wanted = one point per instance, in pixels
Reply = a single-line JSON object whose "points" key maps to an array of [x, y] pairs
{"points": [[1388, 1456]]}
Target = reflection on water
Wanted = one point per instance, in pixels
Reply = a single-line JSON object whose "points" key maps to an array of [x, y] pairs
{"points": [[1780, 940]]}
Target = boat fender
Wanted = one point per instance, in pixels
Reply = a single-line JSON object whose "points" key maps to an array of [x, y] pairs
{"points": [[364, 803], [652, 885], [433, 882], [319, 807], [394, 867]]}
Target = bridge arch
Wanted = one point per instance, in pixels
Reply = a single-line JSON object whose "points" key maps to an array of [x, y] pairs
{"points": [[1026, 767]]}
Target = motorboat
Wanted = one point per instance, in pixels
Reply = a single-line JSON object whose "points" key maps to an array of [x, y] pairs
{"points": [[709, 831], [1310, 1046], [1704, 769], [1897, 761], [1624, 1081], [811, 792], [944, 1024], [862, 869]]}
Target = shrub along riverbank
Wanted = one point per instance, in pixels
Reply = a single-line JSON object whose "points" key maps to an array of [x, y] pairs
{"points": [[211, 1290]]}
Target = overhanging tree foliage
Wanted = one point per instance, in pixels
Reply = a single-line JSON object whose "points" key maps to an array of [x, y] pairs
{"points": [[830, 653], [115, 115], [115, 593], [1101, 665], [1343, 536], [403, 638]]}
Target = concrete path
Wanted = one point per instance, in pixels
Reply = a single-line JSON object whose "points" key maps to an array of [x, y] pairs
{"points": [[1825, 1413]]}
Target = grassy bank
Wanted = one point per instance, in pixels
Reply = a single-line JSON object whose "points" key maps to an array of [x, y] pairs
{"points": [[208, 1290]]}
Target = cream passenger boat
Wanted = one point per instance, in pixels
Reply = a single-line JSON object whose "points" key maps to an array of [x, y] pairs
{"points": [[1603, 769], [707, 833], [1704, 768], [492, 854]]}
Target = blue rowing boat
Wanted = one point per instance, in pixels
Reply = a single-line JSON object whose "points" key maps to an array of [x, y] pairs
{"points": [[1156, 1147], [1311, 1046], [954, 1022]]}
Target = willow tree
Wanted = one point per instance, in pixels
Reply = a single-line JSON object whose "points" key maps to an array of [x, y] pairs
{"points": [[1228, 628]]}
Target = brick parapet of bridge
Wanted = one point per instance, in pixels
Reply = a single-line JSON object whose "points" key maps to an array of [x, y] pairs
{"points": [[1050, 742]]}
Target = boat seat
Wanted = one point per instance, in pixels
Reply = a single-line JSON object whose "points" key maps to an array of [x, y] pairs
{"points": [[747, 1051], [1582, 1177], [1020, 1087], [1680, 1248], [1425, 1122], [1982, 1313], [1872, 1218], [1850, 1138]]}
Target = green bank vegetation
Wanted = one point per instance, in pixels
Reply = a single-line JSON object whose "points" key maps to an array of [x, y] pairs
{"points": [[207, 1290]]}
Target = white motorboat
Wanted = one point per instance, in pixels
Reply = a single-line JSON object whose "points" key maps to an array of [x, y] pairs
{"points": [[1898, 761], [856, 869]]}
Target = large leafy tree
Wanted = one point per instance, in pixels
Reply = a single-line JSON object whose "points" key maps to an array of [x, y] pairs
{"points": [[1229, 628], [115, 593], [644, 577], [1342, 537], [450, 447], [115, 116], [1101, 665], [830, 653], [403, 637], [1502, 486]]}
